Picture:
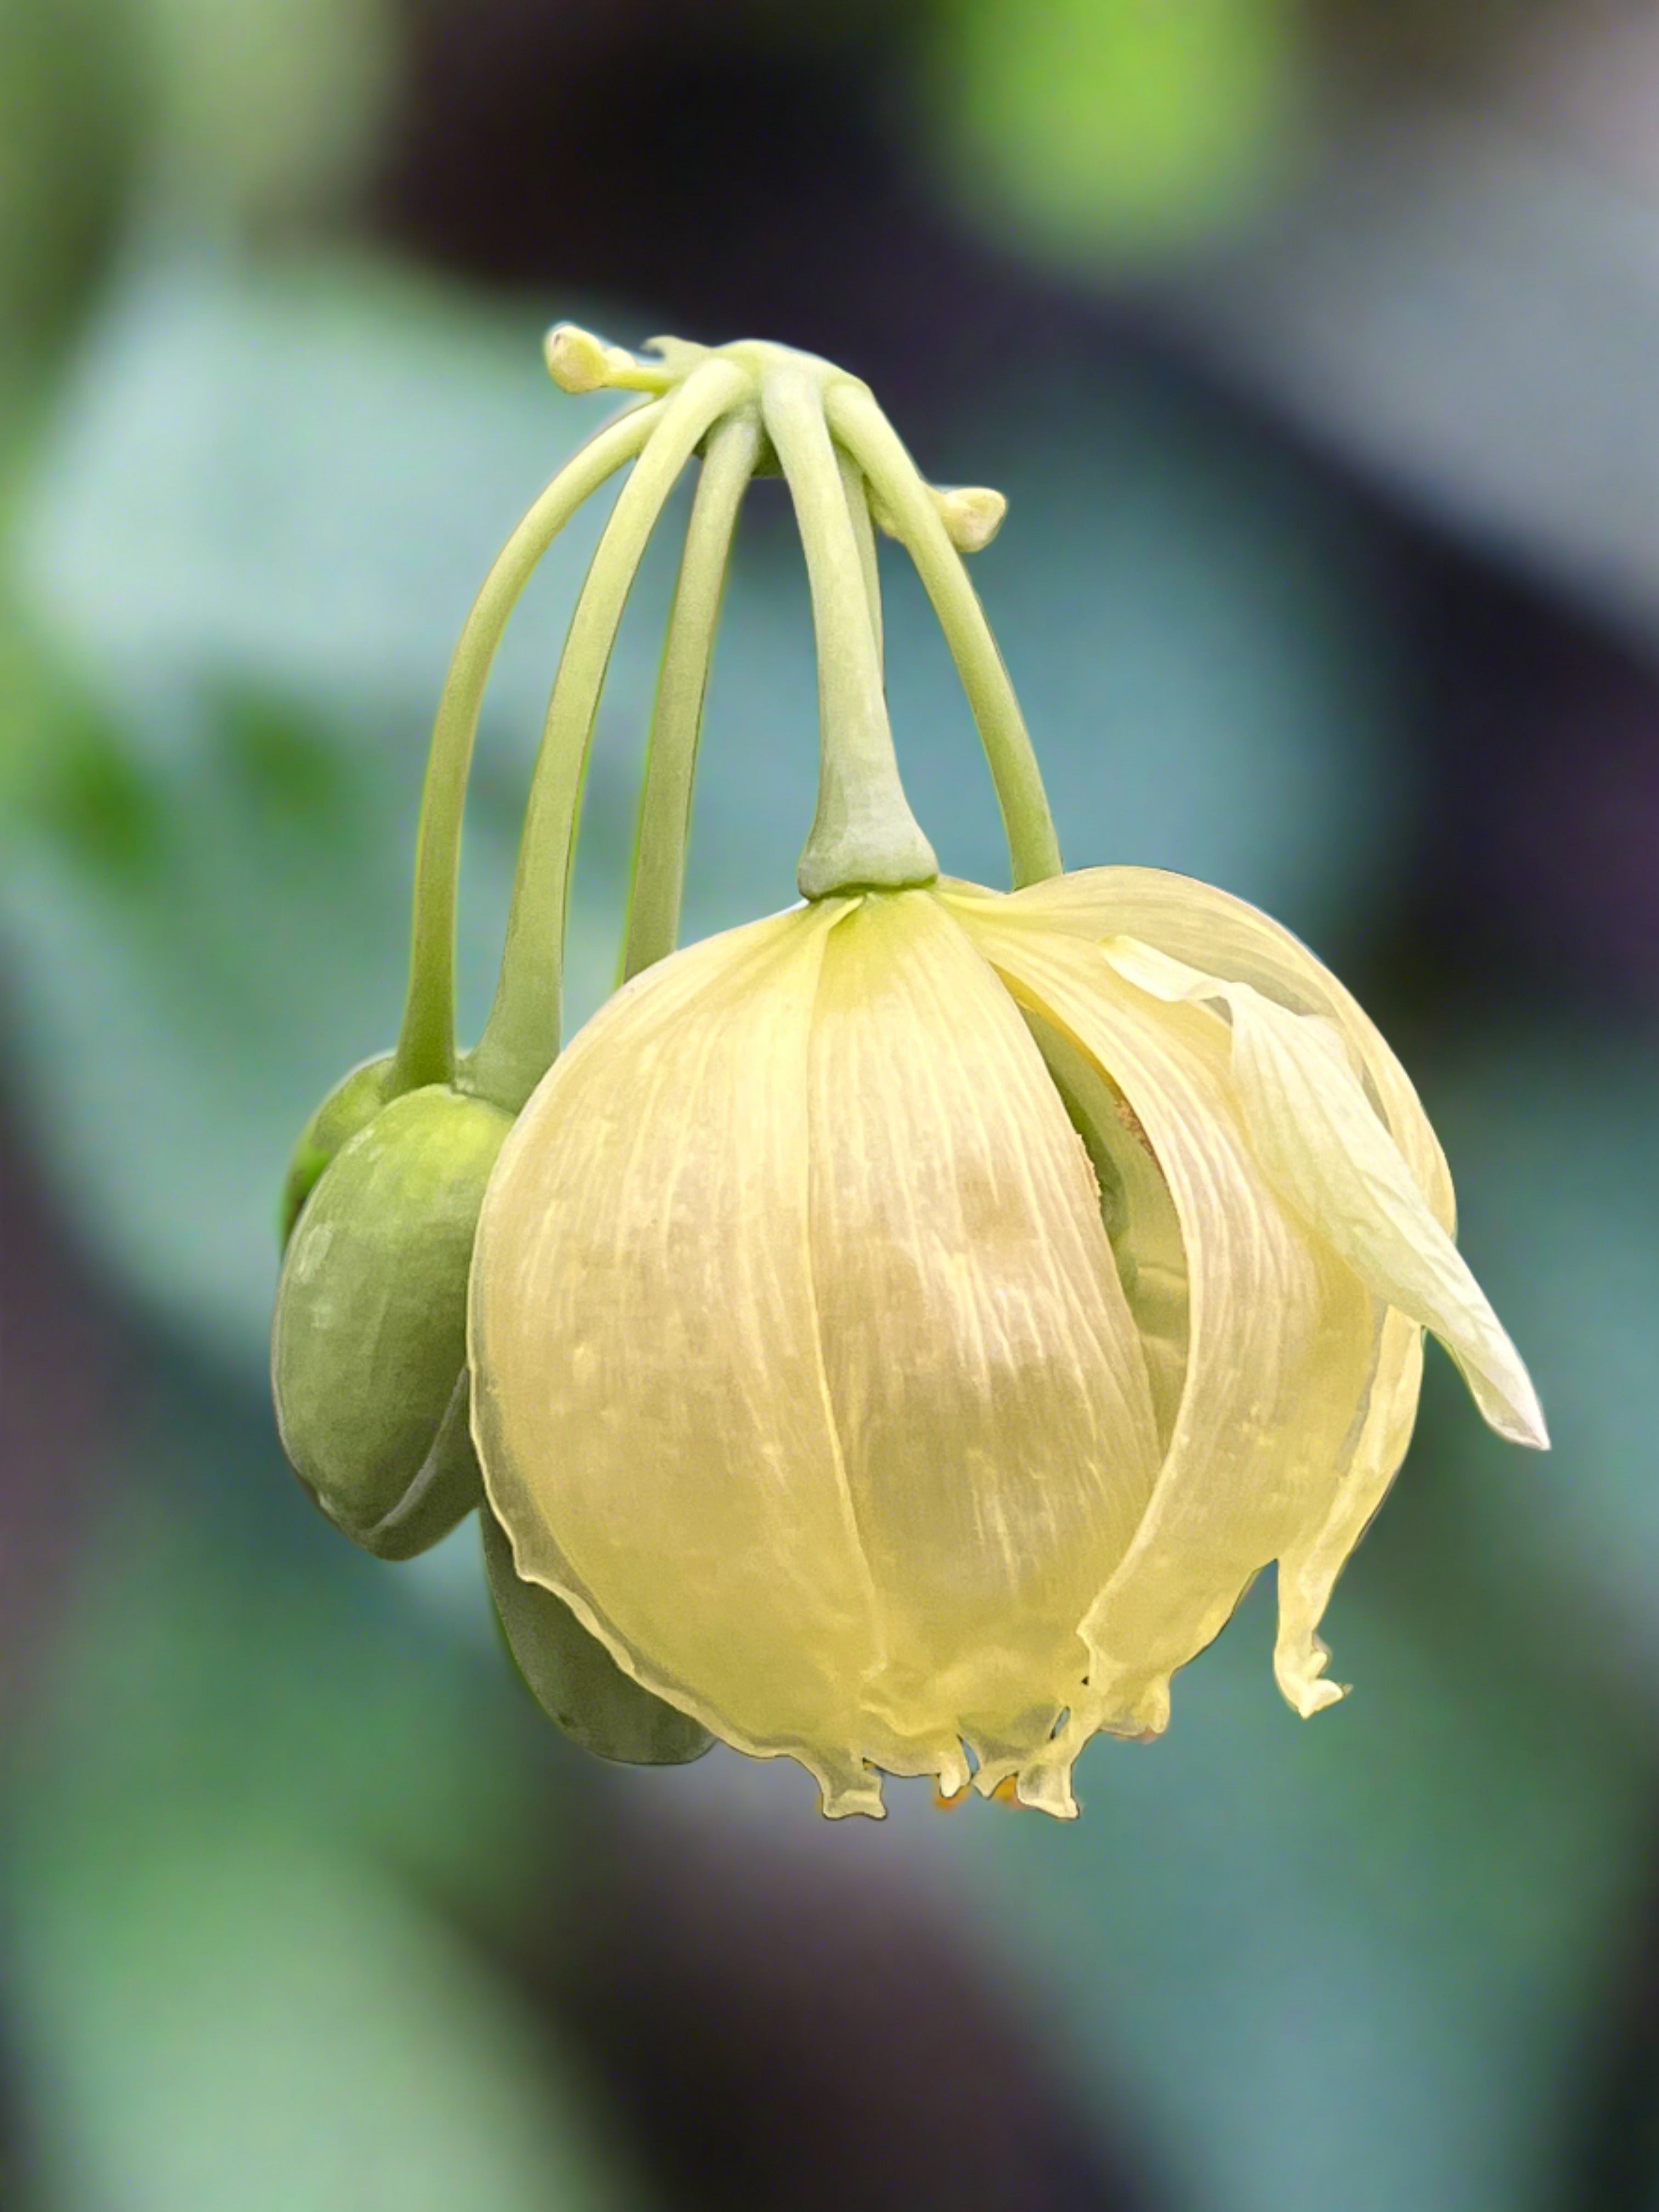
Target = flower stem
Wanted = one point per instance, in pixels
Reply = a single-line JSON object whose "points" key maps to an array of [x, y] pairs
{"points": [[864, 835], [864, 529], [859, 425], [521, 1037], [658, 875], [426, 1046]]}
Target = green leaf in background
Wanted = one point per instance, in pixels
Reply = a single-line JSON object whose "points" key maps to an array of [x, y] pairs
{"points": [[248, 1777], [67, 126], [1108, 131], [297, 478], [228, 2017], [270, 109]]}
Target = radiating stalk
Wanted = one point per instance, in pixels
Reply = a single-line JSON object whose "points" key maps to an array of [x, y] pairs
{"points": [[521, 1037], [864, 833], [859, 425], [426, 1046], [658, 883], [864, 529]]}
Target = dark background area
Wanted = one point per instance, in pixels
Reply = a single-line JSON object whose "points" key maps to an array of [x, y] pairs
{"points": [[1316, 345]]}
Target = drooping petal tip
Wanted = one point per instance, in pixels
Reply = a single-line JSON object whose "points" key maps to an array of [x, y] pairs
{"points": [[1335, 1162]]}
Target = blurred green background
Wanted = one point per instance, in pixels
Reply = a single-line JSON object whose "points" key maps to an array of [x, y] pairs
{"points": [[1316, 343]]}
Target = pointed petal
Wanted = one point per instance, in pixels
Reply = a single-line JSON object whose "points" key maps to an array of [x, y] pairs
{"points": [[986, 1373], [1310, 1565], [1283, 1345], [1225, 936], [1320, 1140], [649, 1399]]}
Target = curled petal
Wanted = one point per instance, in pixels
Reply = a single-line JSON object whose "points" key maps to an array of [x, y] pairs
{"points": [[649, 1397], [1310, 1563], [1225, 936], [985, 1374], [1283, 1347], [1321, 1141]]}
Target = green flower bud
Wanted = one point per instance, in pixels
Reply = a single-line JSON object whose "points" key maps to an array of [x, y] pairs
{"points": [[368, 1356], [574, 1679], [350, 1106]]}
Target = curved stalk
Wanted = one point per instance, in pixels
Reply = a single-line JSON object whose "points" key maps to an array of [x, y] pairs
{"points": [[864, 833], [864, 529], [521, 1037], [671, 764], [859, 425], [426, 1044]]}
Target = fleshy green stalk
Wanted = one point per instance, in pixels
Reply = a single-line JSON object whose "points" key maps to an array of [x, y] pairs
{"points": [[425, 1047], [864, 529], [864, 835], [521, 1037], [658, 876], [913, 512]]}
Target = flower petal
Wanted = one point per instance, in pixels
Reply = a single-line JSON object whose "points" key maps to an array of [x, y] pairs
{"points": [[1283, 1346], [1319, 1140], [649, 1397], [1138, 1212], [987, 1376], [574, 1679], [1310, 1565], [1225, 936]]}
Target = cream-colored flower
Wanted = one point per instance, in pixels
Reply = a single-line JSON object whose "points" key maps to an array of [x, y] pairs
{"points": [[901, 1328]]}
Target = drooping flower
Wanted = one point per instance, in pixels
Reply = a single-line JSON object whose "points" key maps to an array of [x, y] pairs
{"points": [[902, 1329], [896, 1332]]}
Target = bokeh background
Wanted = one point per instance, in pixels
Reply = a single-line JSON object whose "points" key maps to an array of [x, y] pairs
{"points": [[1316, 343]]}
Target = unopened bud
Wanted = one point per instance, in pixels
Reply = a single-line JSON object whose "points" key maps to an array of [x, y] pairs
{"points": [[350, 1106], [368, 1359]]}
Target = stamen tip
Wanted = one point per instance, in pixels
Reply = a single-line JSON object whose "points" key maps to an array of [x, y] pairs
{"points": [[576, 360], [972, 515]]}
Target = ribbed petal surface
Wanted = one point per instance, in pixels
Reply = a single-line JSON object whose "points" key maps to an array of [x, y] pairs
{"points": [[1138, 1213], [1225, 936], [1234, 944], [987, 1376], [1317, 1134], [1310, 1564], [1283, 1348], [650, 1401]]}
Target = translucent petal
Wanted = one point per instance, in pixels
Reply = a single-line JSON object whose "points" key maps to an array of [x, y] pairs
{"points": [[1224, 936], [574, 1679], [650, 1403], [986, 1373], [1310, 1563], [1137, 1212], [1317, 1135], [1284, 1343]]}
